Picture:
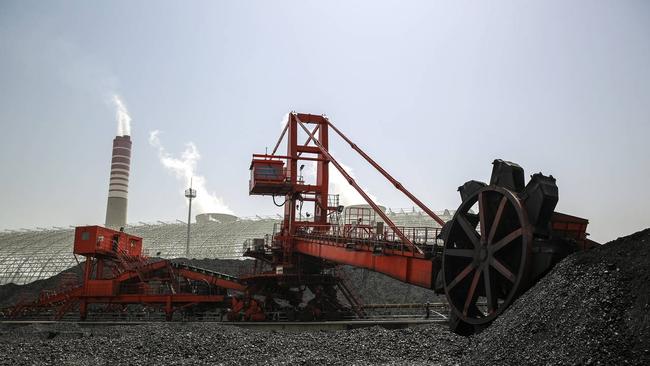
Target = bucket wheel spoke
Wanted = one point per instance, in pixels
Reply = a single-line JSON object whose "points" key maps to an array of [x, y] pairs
{"points": [[491, 299], [471, 291], [506, 240], [462, 275], [471, 233], [497, 219], [507, 273]]}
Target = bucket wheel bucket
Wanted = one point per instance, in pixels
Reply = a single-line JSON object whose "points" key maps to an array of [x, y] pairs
{"points": [[486, 257]]}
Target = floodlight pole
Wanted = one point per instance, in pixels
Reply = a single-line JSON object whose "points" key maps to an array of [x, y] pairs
{"points": [[190, 194]]}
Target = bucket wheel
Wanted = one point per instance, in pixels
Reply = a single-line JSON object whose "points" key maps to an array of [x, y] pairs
{"points": [[486, 257]]}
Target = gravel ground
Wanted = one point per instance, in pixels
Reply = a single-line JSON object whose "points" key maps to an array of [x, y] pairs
{"points": [[202, 344]]}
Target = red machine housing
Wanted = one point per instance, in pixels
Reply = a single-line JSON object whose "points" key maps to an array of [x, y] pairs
{"points": [[268, 177], [98, 240], [116, 274]]}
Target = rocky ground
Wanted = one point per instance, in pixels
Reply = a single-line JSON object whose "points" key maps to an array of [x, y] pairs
{"points": [[203, 344], [592, 308]]}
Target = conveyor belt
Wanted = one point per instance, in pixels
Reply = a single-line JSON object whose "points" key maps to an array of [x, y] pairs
{"points": [[204, 271]]}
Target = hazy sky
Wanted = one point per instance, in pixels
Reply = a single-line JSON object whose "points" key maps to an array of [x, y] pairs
{"points": [[433, 90]]}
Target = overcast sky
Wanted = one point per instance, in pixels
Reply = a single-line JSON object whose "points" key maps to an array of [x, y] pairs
{"points": [[433, 90]]}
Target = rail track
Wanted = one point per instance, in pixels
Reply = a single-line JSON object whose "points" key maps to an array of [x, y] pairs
{"points": [[387, 323], [390, 316]]}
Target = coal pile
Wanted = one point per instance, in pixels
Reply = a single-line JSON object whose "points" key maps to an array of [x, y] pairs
{"points": [[10, 294], [376, 288], [592, 309], [203, 344]]}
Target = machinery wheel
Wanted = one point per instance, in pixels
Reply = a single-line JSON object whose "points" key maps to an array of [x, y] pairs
{"points": [[486, 256]]}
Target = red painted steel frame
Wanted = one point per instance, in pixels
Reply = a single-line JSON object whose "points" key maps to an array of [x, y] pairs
{"points": [[363, 194], [320, 189], [410, 265], [219, 282], [106, 249], [396, 183], [409, 269]]}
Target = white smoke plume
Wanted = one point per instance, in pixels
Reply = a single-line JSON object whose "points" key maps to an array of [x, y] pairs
{"points": [[185, 169], [347, 194], [123, 117], [339, 185]]}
